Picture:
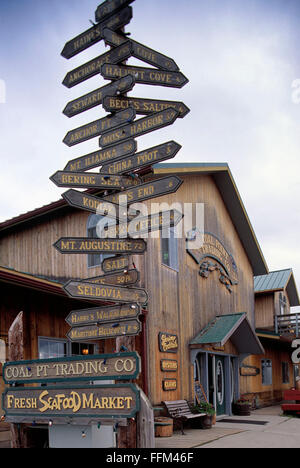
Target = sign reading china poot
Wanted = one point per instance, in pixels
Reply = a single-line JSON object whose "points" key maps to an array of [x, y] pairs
{"points": [[42, 403]]}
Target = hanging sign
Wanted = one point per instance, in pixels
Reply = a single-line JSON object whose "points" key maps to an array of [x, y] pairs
{"points": [[121, 366], [97, 158], [143, 159], [96, 128], [139, 127], [65, 402], [141, 51], [95, 98], [103, 314], [92, 68], [142, 106], [168, 343], [95, 34], [82, 290], [105, 331], [148, 76]]}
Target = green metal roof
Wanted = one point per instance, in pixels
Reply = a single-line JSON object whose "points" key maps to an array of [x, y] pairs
{"points": [[278, 281], [232, 326]]}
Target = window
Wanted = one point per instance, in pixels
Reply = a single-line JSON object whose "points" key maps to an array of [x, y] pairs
{"points": [[50, 348], [285, 372], [95, 259], [282, 304], [266, 371], [169, 247]]}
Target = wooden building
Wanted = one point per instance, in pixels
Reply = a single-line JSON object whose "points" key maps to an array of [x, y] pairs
{"points": [[199, 323]]}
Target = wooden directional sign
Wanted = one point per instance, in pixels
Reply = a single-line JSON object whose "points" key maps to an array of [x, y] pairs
{"points": [[82, 245], [142, 106], [95, 97], [103, 314], [92, 180], [98, 127], [144, 224], [121, 366], [139, 127], [65, 403], [105, 331], [92, 68], [141, 51], [149, 190], [92, 204], [108, 8], [82, 290], [143, 159], [95, 34], [123, 278], [100, 157], [149, 76], [115, 263]]}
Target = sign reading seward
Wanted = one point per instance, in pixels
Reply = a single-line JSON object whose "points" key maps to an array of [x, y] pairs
{"points": [[93, 402]]}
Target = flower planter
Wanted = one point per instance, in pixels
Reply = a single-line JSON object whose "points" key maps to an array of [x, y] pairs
{"points": [[241, 409], [206, 422]]}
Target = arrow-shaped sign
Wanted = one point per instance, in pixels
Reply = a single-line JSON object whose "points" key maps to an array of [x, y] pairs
{"points": [[92, 180], [127, 277], [98, 127], [92, 204], [100, 157], [92, 68], [142, 106], [149, 190], [108, 8], [105, 331], [139, 127], [103, 314], [121, 262], [95, 98], [77, 289], [144, 224], [143, 159], [89, 245], [141, 51], [149, 76], [95, 34]]}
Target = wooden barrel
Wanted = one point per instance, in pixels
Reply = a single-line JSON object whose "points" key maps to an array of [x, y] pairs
{"points": [[163, 427]]}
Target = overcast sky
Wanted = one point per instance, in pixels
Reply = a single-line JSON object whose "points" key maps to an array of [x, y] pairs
{"points": [[242, 60]]}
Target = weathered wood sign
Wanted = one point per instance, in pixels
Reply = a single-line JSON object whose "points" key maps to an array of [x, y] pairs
{"points": [[92, 204], [103, 314], [92, 180], [105, 331], [148, 76], [82, 290], [108, 8], [96, 128], [169, 385], [95, 34], [144, 224], [97, 158], [142, 159], [149, 190], [40, 403], [128, 278], [121, 366], [82, 245], [168, 365], [141, 51], [142, 106], [139, 127], [121, 262], [92, 68], [168, 343], [94, 98]]}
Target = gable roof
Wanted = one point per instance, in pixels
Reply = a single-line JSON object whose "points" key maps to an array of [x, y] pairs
{"points": [[223, 178], [278, 281]]}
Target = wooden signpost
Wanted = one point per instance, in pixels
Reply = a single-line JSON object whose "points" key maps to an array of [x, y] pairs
{"points": [[127, 278], [95, 98], [91, 180], [103, 314], [105, 331], [82, 245], [142, 106], [118, 263], [109, 7]]}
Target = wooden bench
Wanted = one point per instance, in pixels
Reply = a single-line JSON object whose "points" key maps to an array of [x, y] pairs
{"points": [[180, 411], [291, 395]]}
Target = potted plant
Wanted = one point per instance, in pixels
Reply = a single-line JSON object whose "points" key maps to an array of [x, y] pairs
{"points": [[241, 407], [209, 419]]}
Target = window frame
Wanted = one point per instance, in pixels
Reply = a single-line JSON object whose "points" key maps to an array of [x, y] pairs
{"points": [[173, 251], [266, 377]]}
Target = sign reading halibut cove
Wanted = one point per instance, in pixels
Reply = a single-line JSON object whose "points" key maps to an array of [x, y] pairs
{"points": [[103, 314]]}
